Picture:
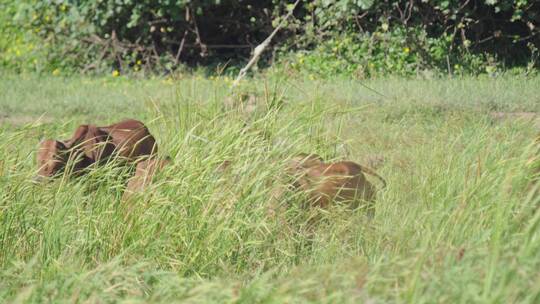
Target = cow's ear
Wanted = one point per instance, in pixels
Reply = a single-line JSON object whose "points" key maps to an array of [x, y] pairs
{"points": [[90, 141], [96, 134], [60, 145], [78, 136], [62, 151], [97, 144]]}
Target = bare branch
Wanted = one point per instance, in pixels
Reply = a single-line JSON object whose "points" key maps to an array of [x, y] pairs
{"points": [[180, 48], [198, 40], [261, 47]]}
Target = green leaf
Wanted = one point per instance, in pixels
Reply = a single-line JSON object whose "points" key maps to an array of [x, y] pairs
{"points": [[365, 4]]}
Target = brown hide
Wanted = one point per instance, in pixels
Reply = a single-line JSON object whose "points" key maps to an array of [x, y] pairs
{"points": [[128, 139], [94, 143], [131, 139], [342, 181], [144, 174]]}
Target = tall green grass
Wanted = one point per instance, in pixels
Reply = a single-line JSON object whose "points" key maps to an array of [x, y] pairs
{"points": [[457, 222]]}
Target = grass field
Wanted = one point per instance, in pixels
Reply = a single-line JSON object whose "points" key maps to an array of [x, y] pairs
{"points": [[456, 223]]}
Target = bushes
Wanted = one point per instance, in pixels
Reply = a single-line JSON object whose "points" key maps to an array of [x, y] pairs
{"points": [[370, 54], [399, 51], [127, 35], [369, 38], [502, 27], [354, 37], [18, 48]]}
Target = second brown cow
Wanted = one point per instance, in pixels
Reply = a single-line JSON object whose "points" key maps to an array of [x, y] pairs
{"points": [[342, 182]]}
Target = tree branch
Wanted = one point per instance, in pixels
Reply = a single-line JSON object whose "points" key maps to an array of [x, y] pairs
{"points": [[261, 47]]}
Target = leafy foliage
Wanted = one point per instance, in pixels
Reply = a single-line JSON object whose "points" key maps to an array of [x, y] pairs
{"points": [[127, 35]]}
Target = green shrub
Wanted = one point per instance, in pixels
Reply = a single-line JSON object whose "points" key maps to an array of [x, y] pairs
{"points": [[397, 51], [19, 47], [369, 38], [364, 55], [350, 37], [126, 35]]}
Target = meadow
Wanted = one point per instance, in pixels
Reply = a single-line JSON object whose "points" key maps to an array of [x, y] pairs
{"points": [[457, 223]]}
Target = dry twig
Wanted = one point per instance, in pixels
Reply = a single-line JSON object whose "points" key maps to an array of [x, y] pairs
{"points": [[261, 47]]}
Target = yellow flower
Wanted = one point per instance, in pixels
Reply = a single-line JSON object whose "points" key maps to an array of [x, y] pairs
{"points": [[385, 27], [63, 7], [139, 62], [406, 50], [115, 73], [56, 72]]}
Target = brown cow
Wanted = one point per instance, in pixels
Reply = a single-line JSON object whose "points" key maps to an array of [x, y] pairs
{"points": [[342, 181], [144, 174], [128, 140]]}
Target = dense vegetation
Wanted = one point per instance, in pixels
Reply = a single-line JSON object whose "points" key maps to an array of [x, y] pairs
{"points": [[456, 224], [358, 38]]}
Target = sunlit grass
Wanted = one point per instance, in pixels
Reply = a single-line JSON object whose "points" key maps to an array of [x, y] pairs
{"points": [[455, 224]]}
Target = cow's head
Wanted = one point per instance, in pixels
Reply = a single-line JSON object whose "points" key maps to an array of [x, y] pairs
{"points": [[51, 158]]}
